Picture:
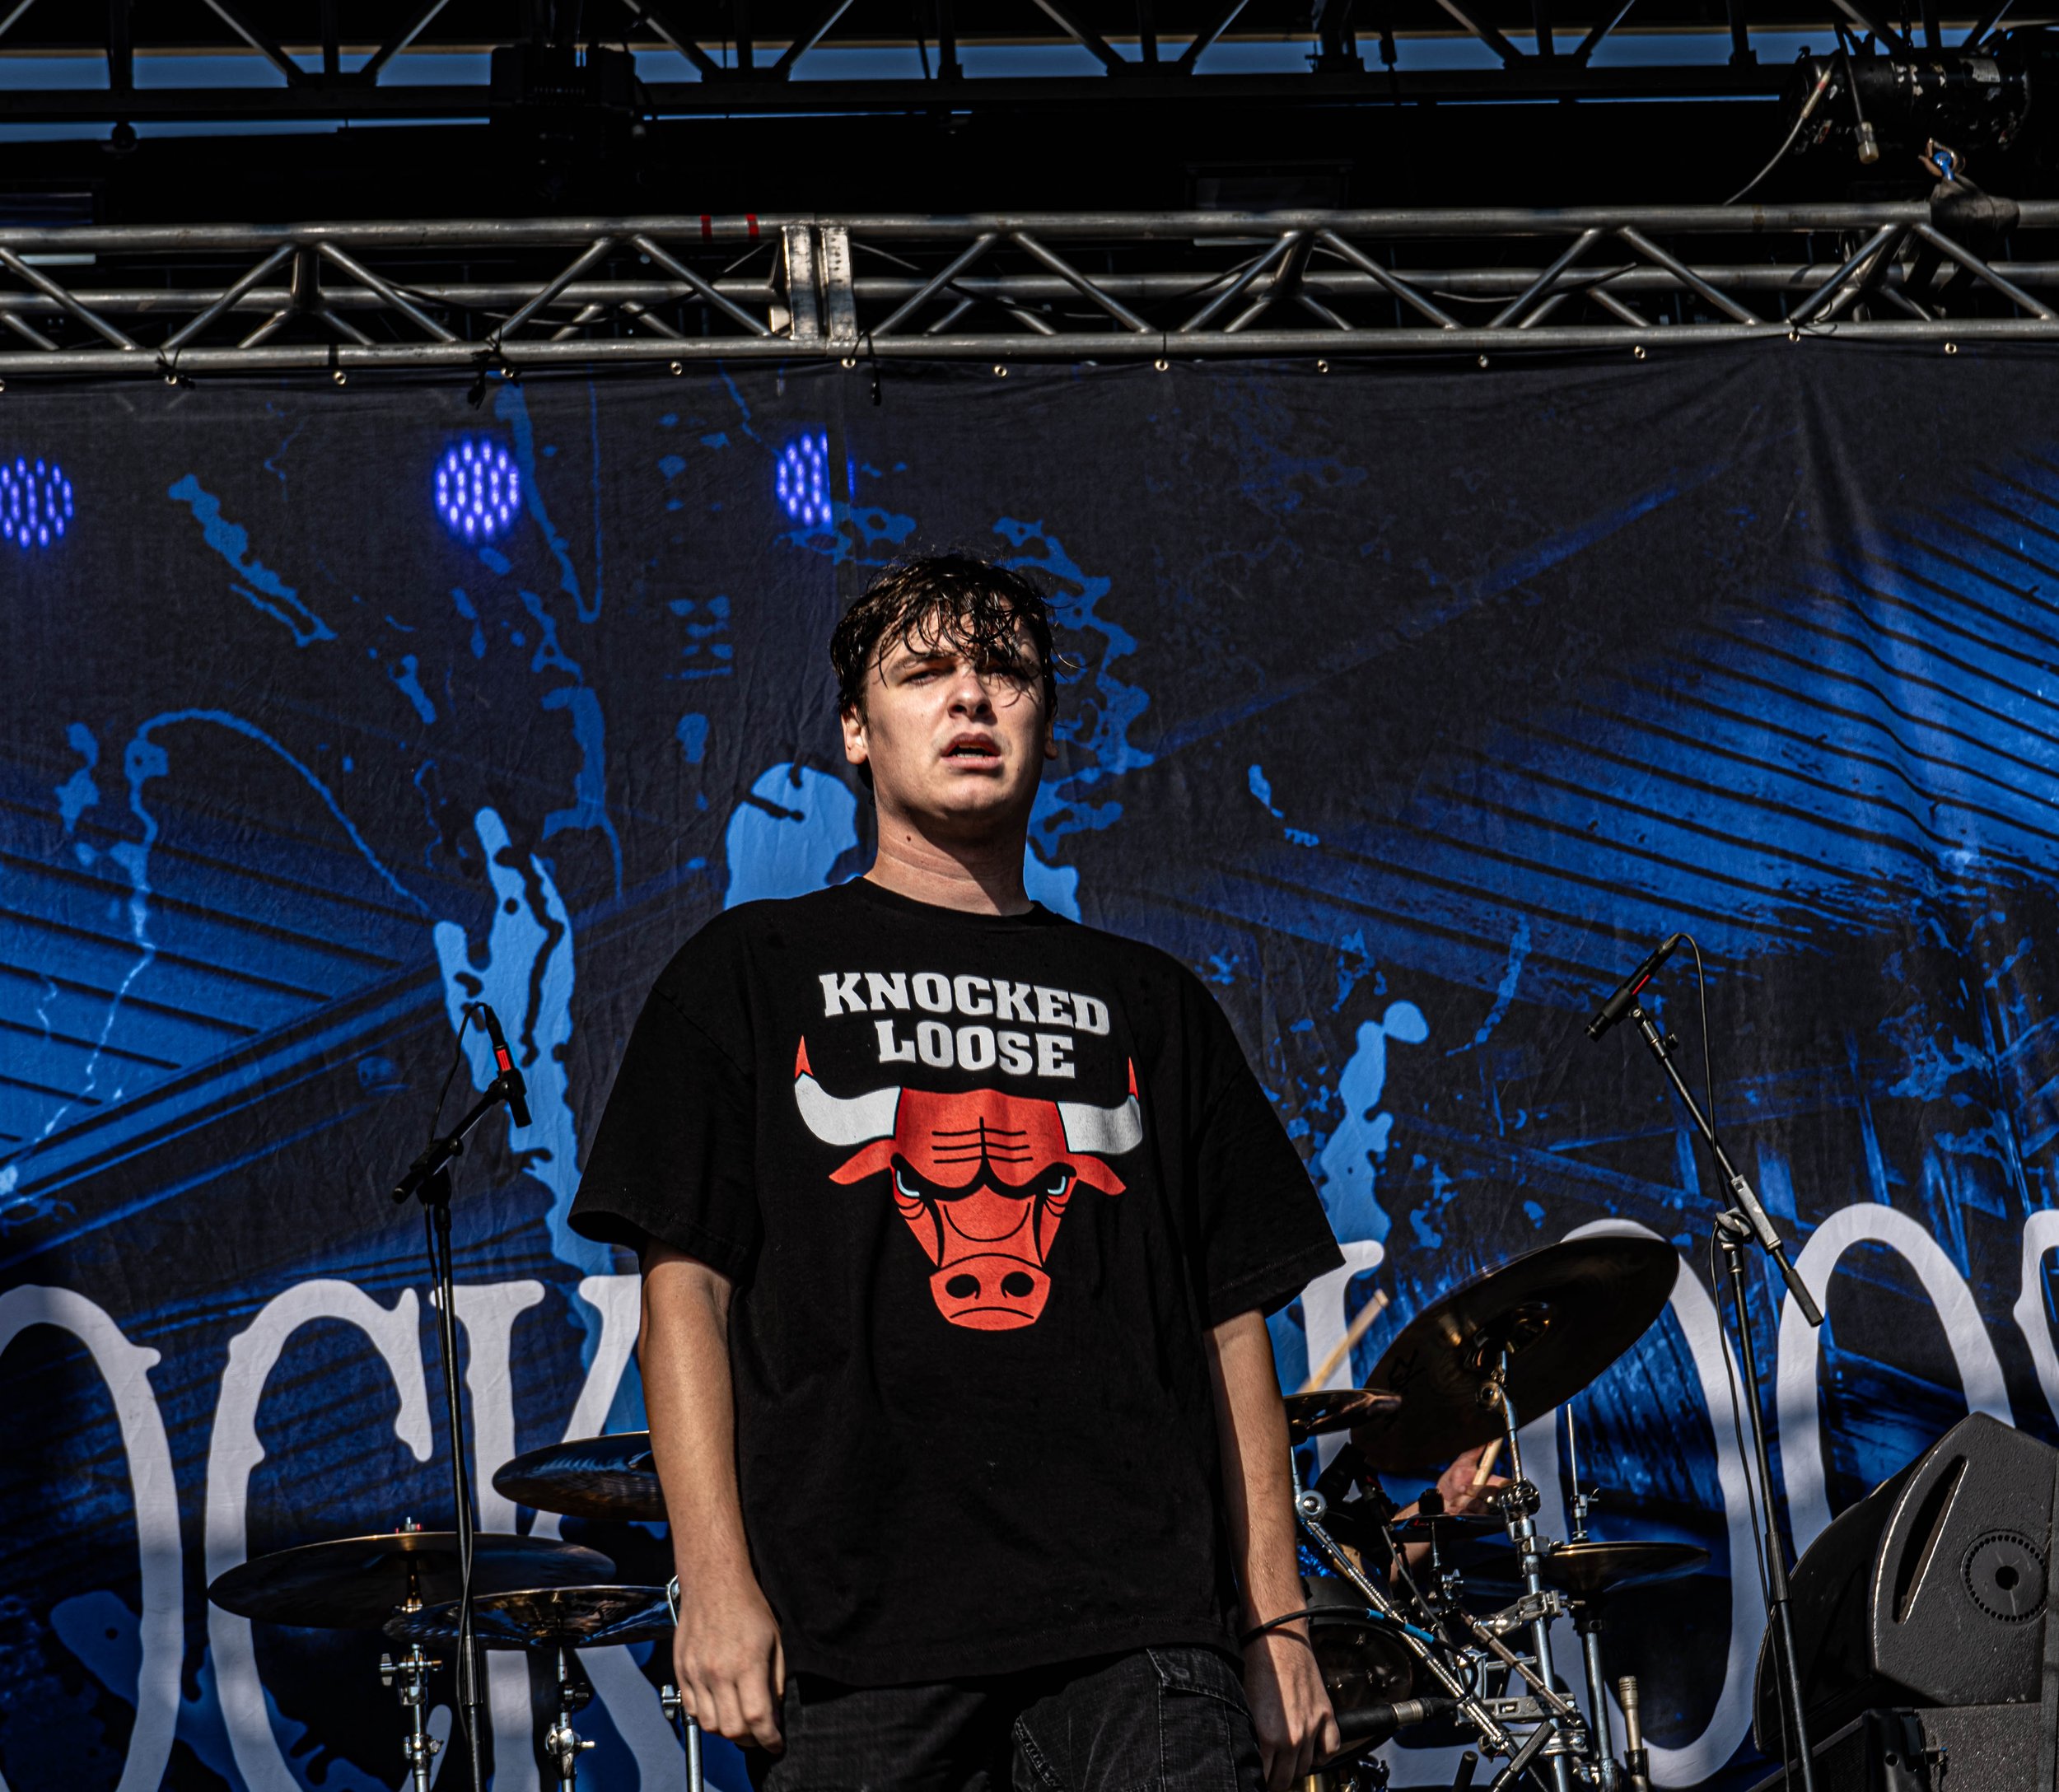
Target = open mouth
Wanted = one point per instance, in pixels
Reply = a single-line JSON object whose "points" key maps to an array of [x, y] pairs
{"points": [[977, 748]]}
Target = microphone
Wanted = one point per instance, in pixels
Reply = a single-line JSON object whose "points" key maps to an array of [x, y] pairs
{"points": [[1620, 1003], [1372, 1724], [513, 1090]]}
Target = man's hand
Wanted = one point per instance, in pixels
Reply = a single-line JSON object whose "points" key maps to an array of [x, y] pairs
{"points": [[731, 1668], [1456, 1483], [1290, 1708]]}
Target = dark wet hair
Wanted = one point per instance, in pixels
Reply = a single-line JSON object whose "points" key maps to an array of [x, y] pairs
{"points": [[972, 601]]}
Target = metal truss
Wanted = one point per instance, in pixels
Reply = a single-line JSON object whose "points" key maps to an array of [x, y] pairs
{"points": [[493, 297], [745, 54]]}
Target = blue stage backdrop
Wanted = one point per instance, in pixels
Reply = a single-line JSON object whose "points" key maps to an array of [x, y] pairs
{"points": [[1407, 707]]}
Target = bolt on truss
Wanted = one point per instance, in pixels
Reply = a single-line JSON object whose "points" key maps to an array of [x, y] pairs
{"points": [[148, 301]]}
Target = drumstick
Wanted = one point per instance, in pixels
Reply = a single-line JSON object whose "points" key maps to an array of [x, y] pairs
{"points": [[1491, 1455], [1365, 1315]]}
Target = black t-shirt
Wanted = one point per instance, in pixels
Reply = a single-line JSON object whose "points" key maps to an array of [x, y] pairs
{"points": [[983, 1183]]}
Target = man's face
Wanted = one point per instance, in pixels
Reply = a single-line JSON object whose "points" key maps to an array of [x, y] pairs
{"points": [[956, 736]]}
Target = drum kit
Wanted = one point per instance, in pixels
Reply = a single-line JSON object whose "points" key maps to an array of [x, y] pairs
{"points": [[531, 1594], [1420, 1620]]}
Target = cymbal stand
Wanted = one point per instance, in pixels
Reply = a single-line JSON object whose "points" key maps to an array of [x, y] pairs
{"points": [[1746, 1219], [411, 1673], [1310, 1507], [561, 1743], [1519, 1502], [428, 1179], [1587, 1618]]}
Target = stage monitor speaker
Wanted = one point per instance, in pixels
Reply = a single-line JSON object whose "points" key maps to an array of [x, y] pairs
{"points": [[1931, 1591]]}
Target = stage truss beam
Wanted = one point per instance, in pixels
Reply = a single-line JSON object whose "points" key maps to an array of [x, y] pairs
{"points": [[500, 296]]}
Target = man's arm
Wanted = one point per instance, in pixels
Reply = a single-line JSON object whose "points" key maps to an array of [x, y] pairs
{"points": [[726, 1650], [1289, 1708]]}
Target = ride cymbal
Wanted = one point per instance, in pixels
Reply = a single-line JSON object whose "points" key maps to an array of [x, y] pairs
{"points": [[1562, 1315], [588, 1477], [358, 1583], [545, 1617]]}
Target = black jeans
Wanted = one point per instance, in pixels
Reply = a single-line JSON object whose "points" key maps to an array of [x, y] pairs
{"points": [[1156, 1720]]}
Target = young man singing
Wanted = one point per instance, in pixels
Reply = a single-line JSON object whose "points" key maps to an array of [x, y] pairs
{"points": [[960, 1224]]}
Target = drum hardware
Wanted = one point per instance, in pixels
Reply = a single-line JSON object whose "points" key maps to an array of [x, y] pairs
{"points": [[1321, 1411], [613, 1477], [682, 1721], [561, 1743], [410, 1676], [1636, 1764]]}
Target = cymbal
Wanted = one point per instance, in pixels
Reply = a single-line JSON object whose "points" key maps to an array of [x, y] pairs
{"points": [[1564, 1314], [1586, 1569], [545, 1617], [587, 1477], [358, 1583], [1336, 1409]]}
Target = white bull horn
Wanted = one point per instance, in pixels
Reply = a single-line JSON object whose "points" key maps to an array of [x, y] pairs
{"points": [[842, 1119], [1104, 1131]]}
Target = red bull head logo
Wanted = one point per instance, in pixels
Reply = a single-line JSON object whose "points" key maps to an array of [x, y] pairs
{"points": [[982, 1179]]}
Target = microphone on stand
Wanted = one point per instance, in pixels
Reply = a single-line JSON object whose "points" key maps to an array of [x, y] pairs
{"points": [[1372, 1724], [513, 1090], [1625, 998]]}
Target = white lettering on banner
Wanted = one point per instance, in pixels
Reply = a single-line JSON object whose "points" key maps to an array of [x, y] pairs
{"points": [[487, 1312], [1323, 1324], [1980, 1372], [125, 1368], [2041, 1233], [968, 992], [234, 1452]]}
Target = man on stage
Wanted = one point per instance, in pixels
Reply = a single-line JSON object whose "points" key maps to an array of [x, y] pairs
{"points": [[960, 1224]]}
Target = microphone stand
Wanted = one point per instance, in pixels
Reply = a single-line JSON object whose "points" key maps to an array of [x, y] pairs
{"points": [[428, 1179], [1747, 1219]]}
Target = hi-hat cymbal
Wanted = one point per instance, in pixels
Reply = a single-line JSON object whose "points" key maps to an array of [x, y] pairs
{"points": [[1584, 1569], [358, 1583], [545, 1617], [1562, 1314], [1336, 1409], [587, 1477]]}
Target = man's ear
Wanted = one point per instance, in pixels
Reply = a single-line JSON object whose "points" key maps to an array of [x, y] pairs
{"points": [[855, 748]]}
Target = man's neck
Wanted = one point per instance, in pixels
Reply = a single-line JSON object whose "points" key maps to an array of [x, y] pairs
{"points": [[980, 879]]}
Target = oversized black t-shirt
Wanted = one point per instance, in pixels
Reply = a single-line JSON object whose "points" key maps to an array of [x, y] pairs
{"points": [[983, 1183]]}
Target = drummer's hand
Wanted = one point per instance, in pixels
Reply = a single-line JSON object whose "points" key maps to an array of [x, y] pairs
{"points": [[731, 1668], [1290, 1709], [1456, 1485]]}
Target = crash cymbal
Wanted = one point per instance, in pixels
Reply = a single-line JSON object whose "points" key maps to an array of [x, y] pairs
{"points": [[545, 1617], [1335, 1409], [588, 1477], [358, 1583], [1586, 1569], [1564, 1314]]}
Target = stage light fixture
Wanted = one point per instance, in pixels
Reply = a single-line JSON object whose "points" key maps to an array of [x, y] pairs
{"points": [[803, 480], [35, 502], [479, 488]]}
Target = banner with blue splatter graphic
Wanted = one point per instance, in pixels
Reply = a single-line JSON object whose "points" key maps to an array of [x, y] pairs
{"points": [[1407, 707]]}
